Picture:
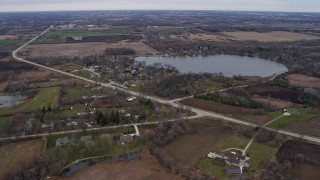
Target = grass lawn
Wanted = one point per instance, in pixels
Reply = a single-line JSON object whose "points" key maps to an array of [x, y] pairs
{"points": [[280, 123], [3, 121], [259, 152], [76, 92], [233, 142], [81, 33], [44, 98], [83, 73], [12, 41], [207, 166]]}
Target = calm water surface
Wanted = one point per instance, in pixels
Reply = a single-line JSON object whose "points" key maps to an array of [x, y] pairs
{"points": [[229, 65], [9, 101]]}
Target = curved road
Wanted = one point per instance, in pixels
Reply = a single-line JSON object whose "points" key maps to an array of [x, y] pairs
{"points": [[199, 112]]}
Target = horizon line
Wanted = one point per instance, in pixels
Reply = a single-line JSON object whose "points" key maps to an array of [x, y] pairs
{"points": [[84, 10]]}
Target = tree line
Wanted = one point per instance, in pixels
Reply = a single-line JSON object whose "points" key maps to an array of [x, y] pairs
{"points": [[230, 100]]}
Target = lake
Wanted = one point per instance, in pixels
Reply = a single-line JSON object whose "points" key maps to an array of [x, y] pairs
{"points": [[229, 65], [9, 101]]}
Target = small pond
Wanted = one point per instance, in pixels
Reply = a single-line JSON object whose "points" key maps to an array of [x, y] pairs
{"points": [[73, 168], [229, 65], [11, 100]]}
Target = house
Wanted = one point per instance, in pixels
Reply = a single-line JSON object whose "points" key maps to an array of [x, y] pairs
{"points": [[51, 125], [126, 138], [62, 141], [292, 111], [233, 171]]}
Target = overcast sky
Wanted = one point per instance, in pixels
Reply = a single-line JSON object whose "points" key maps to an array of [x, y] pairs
{"points": [[247, 5]]}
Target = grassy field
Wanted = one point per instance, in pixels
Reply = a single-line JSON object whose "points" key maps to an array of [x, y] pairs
{"points": [[81, 33], [280, 123], [12, 41], [259, 152], [3, 121], [233, 142], [207, 166], [44, 98], [82, 73], [76, 92]]}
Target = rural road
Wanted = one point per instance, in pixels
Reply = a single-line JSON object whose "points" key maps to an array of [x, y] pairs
{"points": [[199, 112]]}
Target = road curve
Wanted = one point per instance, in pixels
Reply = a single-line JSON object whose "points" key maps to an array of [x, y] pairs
{"points": [[199, 112]]}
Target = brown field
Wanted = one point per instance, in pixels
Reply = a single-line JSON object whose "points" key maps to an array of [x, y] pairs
{"points": [[201, 37], [67, 67], [306, 169], [275, 36], [280, 104], [2, 37], [245, 114], [83, 49], [146, 168], [303, 81], [202, 136], [18, 155], [308, 127]]}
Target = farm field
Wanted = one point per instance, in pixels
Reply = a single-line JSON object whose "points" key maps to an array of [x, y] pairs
{"points": [[245, 114], [304, 115], [12, 41], [309, 167], [146, 168], [202, 136], [40, 100], [279, 104], [275, 92], [18, 155], [84, 49], [74, 33], [275, 36], [309, 127], [303, 81], [4, 37]]}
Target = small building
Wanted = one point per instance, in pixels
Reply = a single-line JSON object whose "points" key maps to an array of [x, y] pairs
{"points": [[62, 141], [129, 99], [233, 171], [51, 125], [85, 138], [126, 138]]}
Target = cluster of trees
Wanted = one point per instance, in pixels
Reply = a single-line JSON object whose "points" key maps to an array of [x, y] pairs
{"points": [[275, 170], [104, 119], [231, 100], [264, 135], [119, 51], [182, 85]]}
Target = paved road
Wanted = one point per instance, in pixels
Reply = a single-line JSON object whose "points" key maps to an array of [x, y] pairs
{"points": [[199, 112]]}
